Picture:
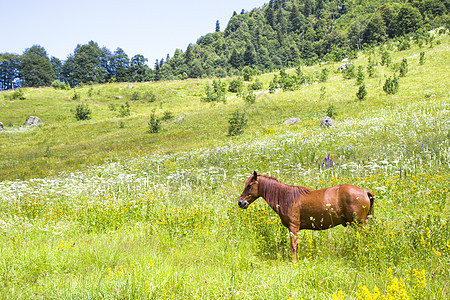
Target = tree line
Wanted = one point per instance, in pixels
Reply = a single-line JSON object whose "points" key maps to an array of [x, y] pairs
{"points": [[280, 34]]}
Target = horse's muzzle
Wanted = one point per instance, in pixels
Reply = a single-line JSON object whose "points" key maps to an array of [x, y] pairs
{"points": [[243, 204]]}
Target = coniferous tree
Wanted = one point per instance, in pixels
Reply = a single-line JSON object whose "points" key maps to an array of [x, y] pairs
{"points": [[217, 26]]}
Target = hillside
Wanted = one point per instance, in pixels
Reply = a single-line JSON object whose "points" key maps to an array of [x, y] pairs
{"points": [[279, 34], [102, 208]]}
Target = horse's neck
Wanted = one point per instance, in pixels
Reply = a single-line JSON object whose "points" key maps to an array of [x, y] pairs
{"points": [[272, 192]]}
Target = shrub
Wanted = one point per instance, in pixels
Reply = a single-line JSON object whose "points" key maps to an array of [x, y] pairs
{"points": [[360, 76], [331, 111], [324, 75], [76, 96], [349, 72], [17, 94], [59, 85], [237, 123], [247, 73], [168, 115], [256, 85], [391, 85], [124, 110], [135, 96], [403, 67], [82, 112], [386, 58], [154, 124], [371, 67], [404, 44], [249, 97], [273, 85], [236, 85], [422, 58], [362, 92], [216, 92]]}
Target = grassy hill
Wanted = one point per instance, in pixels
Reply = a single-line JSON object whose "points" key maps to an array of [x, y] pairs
{"points": [[104, 209]]}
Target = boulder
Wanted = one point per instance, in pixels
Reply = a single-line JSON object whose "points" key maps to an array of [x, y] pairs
{"points": [[118, 97], [32, 121], [327, 122], [291, 121], [180, 119], [1, 126], [345, 59]]}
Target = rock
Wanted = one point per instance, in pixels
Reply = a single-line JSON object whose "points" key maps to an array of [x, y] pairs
{"points": [[345, 59], [32, 121], [291, 121], [118, 97], [327, 122], [344, 66], [180, 119], [1, 126]]}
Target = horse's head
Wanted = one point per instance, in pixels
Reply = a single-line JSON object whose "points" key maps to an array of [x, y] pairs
{"points": [[250, 192]]}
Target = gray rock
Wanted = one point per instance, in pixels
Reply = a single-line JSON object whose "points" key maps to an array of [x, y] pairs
{"points": [[291, 121], [118, 97], [345, 59], [327, 122], [180, 119], [32, 121], [1, 126]]}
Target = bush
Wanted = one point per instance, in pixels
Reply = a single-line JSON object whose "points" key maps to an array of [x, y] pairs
{"points": [[247, 73], [403, 67], [331, 111], [59, 85], [124, 110], [250, 97], [17, 94], [404, 44], [386, 58], [168, 115], [391, 85], [82, 112], [237, 123], [273, 85], [135, 96], [422, 58], [360, 75], [371, 67], [256, 85], [349, 72], [76, 96], [324, 75], [362, 92], [154, 124], [216, 92], [236, 86]]}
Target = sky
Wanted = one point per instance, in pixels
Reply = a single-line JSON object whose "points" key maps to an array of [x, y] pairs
{"points": [[151, 28]]}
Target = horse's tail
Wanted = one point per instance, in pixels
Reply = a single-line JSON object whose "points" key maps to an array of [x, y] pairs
{"points": [[372, 199]]}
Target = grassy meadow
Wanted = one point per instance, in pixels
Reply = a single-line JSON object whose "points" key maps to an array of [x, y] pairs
{"points": [[103, 209]]}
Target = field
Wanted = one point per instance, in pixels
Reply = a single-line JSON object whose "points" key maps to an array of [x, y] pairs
{"points": [[103, 209]]}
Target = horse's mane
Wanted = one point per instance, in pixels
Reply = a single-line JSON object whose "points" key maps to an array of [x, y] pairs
{"points": [[279, 195]]}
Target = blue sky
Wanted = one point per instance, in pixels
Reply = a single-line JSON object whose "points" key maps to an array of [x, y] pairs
{"points": [[151, 28]]}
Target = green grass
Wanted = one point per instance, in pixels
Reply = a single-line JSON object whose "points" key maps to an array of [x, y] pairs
{"points": [[92, 210]]}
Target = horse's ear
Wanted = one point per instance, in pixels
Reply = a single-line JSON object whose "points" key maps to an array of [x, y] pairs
{"points": [[255, 176]]}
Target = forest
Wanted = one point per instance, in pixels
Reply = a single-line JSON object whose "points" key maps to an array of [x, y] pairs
{"points": [[280, 34]]}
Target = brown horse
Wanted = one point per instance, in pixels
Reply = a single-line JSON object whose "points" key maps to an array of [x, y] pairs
{"points": [[302, 208]]}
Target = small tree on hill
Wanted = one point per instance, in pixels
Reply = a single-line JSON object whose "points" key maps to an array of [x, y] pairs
{"points": [[391, 85], [215, 93], [403, 67], [362, 92], [154, 124], [82, 112], [237, 123]]}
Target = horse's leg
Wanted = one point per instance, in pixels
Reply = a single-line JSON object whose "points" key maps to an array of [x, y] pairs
{"points": [[293, 231]]}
